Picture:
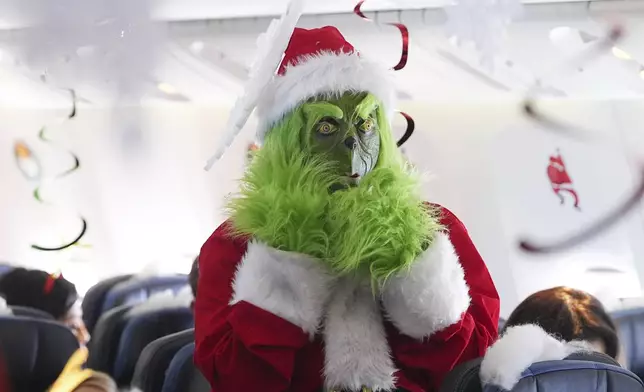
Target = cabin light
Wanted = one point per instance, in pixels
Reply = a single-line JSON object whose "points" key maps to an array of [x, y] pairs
{"points": [[642, 73], [196, 47], [620, 54], [167, 88]]}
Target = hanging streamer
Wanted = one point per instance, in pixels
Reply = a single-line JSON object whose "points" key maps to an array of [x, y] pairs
{"points": [[411, 126], [554, 125], [404, 32], [37, 194]]}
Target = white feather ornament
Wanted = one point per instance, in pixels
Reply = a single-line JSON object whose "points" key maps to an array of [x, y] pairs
{"points": [[270, 52]]}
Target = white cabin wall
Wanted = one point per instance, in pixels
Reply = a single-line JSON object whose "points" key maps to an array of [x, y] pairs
{"points": [[158, 205]]}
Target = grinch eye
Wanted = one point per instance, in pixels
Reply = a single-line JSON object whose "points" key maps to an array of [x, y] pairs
{"points": [[367, 126], [326, 128]]}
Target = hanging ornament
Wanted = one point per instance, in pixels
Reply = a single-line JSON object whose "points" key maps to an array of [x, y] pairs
{"points": [[552, 124], [483, 23], [404, 33], [27, 162], [37, 193]]}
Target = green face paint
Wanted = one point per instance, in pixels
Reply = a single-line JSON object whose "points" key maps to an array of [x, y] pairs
{"points": [[346, 132]]}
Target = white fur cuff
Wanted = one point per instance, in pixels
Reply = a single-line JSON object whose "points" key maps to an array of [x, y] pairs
{"points": [[292, 286], [432, 295], [519, 348]]}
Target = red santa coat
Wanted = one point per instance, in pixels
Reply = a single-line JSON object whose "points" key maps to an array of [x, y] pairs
{"points": [[245, 342]]}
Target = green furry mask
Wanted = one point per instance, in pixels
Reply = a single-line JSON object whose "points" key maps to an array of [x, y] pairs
{"points": [[357, 209]]}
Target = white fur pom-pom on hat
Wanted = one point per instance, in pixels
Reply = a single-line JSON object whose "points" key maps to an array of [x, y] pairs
{"points": [[517, 349]]}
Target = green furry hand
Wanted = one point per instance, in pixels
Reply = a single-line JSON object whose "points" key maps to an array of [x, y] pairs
{"points": [[382, 225], [283, 204]]}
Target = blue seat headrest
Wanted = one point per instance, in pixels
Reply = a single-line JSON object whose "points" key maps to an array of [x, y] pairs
{"points": [[4, 268], [104, 343], [35, 351], [630, 327], [142, 329], [94, 298], [572, 375], [134, 290], [182, 375], [588, 372], [150, 370]]}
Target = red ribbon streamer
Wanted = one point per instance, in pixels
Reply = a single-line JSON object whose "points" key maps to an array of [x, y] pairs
{"points": [[404, 32], [411, 126]]}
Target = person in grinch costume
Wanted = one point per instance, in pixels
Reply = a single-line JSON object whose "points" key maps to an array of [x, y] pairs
{"points": [[332, 273]]}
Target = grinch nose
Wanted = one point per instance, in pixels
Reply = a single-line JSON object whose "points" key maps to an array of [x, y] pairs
{"points": [[350, 142]]}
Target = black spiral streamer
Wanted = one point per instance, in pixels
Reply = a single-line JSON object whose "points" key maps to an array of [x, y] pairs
{"points": [[42, 135]]}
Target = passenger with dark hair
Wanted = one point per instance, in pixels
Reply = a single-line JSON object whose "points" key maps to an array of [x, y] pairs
{"points": [[50, 293], [569, 315], [193, 278]]}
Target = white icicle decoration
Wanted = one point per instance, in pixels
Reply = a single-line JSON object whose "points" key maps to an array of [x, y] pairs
{"points": [[483, 23], [270, 52]]}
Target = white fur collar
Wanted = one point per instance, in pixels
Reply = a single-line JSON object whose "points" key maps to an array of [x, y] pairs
{"points": [[428, 298], [356, 349]]}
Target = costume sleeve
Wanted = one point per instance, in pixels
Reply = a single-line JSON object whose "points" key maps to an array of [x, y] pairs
{"points": [[447, 303], [255, 308]]}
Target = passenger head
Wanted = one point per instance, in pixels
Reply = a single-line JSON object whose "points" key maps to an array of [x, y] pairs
{"points": [[40, 290], [98, 382], [193, 278], [570, 315]]}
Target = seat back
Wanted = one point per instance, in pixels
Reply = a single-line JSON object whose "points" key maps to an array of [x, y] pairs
{"points": [[183, 375], [150, 370], [630, 327], [24, 311], [137, 290], [94, 298], [103, 346], [35, 351], [4, 268], [141, 330], [588, 372]]}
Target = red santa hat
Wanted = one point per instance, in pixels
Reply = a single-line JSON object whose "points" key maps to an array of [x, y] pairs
{"points": [[296, 64], [320, 62]]}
